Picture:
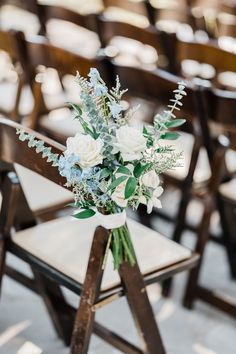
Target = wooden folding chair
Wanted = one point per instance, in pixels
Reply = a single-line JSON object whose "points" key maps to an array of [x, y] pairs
{"points": [[161, 41], [205, 53], [218, 121], [69, 29], [27, 17], [60, 250], [51, 114]]}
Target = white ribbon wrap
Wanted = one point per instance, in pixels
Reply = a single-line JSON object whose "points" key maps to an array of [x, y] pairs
{"points": [[111, 221]]}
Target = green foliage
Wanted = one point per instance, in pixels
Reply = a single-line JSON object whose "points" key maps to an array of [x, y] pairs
{"points": [[85, 214], [130, 187]]}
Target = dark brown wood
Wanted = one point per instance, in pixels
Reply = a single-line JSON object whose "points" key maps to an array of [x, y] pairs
{"points": [[10, 191], [39, 52], [11, 43], [224, 303], [84, 319], [136, 294]]}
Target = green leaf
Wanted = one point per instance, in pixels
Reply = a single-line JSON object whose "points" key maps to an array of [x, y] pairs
{"points": [[139, 169], [130, 187], [145, 132], [175, 123], [116, 182], [87, 213], [76, 108], [124, 170], [104, 173], [170, 136]]}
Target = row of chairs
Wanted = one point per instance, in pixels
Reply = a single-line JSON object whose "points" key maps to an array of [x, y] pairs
{"points": [[154, 87], [215, 18]]}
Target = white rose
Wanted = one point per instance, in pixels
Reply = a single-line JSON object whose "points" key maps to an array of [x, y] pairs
{"points": [[153, 201], [118, 196], [130, 142], [87, 148], [151, 179]]}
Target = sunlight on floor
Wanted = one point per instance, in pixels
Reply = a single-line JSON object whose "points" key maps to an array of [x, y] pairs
{"points": [[13, 331], [29, 348]]}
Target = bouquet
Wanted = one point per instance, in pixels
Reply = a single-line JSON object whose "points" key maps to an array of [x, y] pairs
{"points": [[110, 164]]}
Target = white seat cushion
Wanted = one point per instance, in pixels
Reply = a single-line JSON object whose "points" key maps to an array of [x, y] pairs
{"points": [[203, 170], [65, 243], [60, 122], [185, 144], [228, 190], [41, 193]]}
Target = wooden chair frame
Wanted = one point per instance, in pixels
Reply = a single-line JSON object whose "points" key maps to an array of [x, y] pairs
{"points": [[47, 280], [220, 105], [11, 42], [38, 51]]}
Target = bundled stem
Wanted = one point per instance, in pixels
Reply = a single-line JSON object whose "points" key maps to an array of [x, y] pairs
{"points": [[122, 247]]}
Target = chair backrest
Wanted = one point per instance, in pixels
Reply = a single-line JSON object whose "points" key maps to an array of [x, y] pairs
{"points": [[10, 42], [220, 115], [12, 150], [40, 52], [220, 59], [138, 7], [157, 86], [150, 35], [48, 12], [28, 5]]}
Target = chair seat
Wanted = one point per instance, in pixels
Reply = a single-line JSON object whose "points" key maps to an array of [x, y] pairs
{"points": [[42, 194], [203, 171], [185, 144], [228, 190], [64, 244], [60, 123]]}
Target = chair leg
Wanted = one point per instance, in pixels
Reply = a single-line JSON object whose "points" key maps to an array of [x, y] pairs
{"points": [[203, 237], [2, 260], [176, 236], [85, 315], [227, 217], [56, 306], [141, 309]]}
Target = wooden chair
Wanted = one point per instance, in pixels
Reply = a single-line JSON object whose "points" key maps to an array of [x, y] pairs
{"points": [[69, 29], [60, 250], [20, 15], [10, 44], [52, 116], [202, 53], [219, 121], [149, 35]]}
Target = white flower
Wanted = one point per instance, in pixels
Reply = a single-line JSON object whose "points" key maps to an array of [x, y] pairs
{"points": [[153, 201], [151, 179], [118, 196], [87, 148], [130, 142]]}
